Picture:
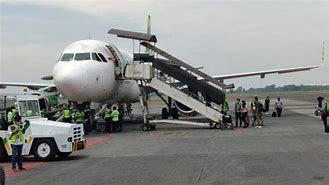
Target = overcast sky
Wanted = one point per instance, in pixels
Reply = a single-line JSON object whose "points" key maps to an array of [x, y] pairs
{"points": [[223, 37]]}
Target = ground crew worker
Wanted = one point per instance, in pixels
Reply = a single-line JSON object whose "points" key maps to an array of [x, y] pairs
{"points": [[257, 112], [225, 107], [115, 120], [323, 108], [244, 114], [79, 116], [237, 109], [16, 133], [108, 120], [10, 116], [67, 114]]}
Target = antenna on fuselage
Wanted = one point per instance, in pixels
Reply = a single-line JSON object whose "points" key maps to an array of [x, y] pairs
{"points": [[89, 36]]}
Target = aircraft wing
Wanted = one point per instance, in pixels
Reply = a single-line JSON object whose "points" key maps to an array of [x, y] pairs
{"points": [[32, 86], [263, 73]]}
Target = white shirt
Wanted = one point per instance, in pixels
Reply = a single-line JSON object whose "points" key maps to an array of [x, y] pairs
{"points": [[278, 104]]}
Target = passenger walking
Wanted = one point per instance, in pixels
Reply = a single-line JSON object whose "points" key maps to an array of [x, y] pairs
{"points": [[67, 114], [16, 135], [108, 120], [278, 107], [323, 108], [267, 104], [257, 113], [244, 114], [115, 120], [237, 109]]}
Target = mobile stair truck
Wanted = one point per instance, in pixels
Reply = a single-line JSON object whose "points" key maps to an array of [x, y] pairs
{"points": [[43, 138]]}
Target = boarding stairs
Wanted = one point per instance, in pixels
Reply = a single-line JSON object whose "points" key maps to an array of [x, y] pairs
{"points": [[176, 79]]}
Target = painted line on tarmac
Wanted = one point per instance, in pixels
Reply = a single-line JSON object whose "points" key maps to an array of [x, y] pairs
{"points": [[91, 142]]}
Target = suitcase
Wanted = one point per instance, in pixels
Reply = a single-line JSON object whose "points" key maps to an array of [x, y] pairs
{"points": [[273, 114]]}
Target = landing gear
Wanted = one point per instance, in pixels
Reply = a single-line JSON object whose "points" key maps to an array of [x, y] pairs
{"points": [[218, 126], [148, 127]]}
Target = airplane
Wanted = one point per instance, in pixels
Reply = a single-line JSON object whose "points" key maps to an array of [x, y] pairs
{"points": [[91, 71]]}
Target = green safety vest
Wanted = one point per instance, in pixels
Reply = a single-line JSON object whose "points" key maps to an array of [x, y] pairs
{"points": [[29, 113], [107, 113], [80, 117], [326, 109], [19, 134], [10, 116], [225, 106], [237, 106], [67, 113], [115, 115]]}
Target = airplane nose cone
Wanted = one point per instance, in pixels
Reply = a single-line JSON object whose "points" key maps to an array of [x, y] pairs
{"points": [[71, 80]]}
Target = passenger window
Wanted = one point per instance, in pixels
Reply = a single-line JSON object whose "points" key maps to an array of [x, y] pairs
{"points": [[67, 57], [95, 57], [102, 57], [82, 56]]}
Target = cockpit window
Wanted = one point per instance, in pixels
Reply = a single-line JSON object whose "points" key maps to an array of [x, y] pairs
{"points": [[95, 57], [82, 56], [67, 57], [102, 57]]}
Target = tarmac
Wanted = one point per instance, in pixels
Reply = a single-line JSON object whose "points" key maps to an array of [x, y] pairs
{"points": [[287, 150]]}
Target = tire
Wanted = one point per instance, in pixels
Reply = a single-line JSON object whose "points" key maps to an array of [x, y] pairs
{"points": [[218, 126], [44, 149], [3, 153], [63, 154], [145, 128]]}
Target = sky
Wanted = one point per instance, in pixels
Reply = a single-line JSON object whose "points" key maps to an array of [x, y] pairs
{"points": [[225, 37]]}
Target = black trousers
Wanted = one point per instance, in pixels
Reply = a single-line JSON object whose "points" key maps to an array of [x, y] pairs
{"points": [[279, 111], [238, 117], [17, 156], [108, 125], [244, 119], [325, 123], [67, 120]]}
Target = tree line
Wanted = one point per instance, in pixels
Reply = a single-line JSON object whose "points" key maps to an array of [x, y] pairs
{"points": [[274, 88]]}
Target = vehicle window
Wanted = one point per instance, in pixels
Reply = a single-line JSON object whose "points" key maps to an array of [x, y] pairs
{"points": [[95, 57], [102, 57], [82, 56], [67, 57], [29, 108]]}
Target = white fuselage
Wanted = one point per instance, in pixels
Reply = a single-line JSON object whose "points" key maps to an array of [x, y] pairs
{"points": [[86, 72]]}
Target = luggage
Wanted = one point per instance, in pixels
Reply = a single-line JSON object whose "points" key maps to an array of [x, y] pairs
{"points": [[273, 114]]}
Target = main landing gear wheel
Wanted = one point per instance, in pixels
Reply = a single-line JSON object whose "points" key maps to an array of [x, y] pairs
{"points": [[148, 127], [218, 126], [145, 128]]}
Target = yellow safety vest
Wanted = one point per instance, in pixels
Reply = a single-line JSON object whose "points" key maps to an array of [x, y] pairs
{"points": [[80, 116], [107, 113], [67, 113], [19, 134], [10, 116], [115, 115], [29, 113]]}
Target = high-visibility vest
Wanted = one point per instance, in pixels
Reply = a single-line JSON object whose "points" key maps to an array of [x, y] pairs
{"points": [[237, 106], [326, 109], [225, 106], [67, 113], [10, 116], [19, 134], [107, 113], [115, 115], [29, 113], [80, 116]]}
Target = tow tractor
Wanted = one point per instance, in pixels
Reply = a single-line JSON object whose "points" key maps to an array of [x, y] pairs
{"points": [[43, 138]]}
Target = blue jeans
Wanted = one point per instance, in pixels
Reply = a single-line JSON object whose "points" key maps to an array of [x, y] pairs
{"points": [[17, 155]]}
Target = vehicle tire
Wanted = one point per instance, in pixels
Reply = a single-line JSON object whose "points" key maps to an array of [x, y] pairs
{"points": [[145, 128], [3, 153], [44, 149], [63, 154], [218, 126]]}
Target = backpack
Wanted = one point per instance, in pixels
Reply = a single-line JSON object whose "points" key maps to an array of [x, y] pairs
{"points": [[260, 107], [273, 114]]}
